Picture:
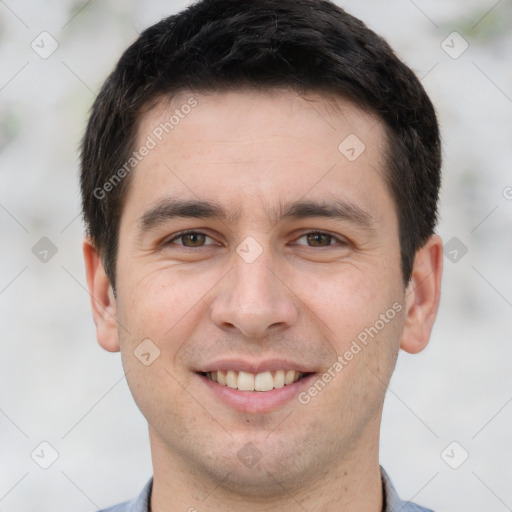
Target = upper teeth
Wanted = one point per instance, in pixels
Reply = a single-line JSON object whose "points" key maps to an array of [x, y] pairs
{"points": [[264, 381]]}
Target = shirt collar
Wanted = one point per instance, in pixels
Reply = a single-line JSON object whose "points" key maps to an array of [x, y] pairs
{"points": [[392, 503], [391, 499], [141, 502]]}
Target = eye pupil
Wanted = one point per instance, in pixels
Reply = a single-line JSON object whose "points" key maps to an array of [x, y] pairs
{"points": [[319, 239]]}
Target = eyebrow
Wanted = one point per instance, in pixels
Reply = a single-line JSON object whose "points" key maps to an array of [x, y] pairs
{"points": [[171, 208], [338, 210]]}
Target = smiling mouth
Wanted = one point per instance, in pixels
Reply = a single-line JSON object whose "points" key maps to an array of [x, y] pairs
{"points": [[264, 381]]}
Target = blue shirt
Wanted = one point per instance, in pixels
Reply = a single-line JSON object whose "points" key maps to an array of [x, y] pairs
{"points": [[392, 502]]}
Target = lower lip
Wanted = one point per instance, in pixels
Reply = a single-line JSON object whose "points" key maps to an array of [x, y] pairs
{"points": [[256, 401]]}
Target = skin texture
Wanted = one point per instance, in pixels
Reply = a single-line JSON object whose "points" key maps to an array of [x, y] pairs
{"points": [[252, 152]]}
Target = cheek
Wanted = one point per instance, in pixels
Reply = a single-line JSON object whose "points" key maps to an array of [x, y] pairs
{"points": [[163, 304], [350, 301], [159, 313], [363, 323]]}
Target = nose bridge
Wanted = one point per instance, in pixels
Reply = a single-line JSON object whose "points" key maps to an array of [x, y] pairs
{"points": [[254, 283], [253, 298]]}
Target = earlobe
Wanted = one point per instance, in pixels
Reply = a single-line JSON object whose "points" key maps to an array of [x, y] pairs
{"points": [[422, 296], [103, 302]]}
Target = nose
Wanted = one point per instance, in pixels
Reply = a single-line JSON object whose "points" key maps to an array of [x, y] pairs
{"points": [[254, 300]]}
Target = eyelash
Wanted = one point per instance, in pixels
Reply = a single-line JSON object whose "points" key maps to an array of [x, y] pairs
{"points": [[195, 232]]}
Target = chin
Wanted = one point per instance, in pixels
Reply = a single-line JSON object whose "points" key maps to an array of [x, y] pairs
{"points": [[259, 470]]}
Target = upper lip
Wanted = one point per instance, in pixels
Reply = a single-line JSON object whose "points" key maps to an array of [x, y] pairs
{"points": [[255, 367]]}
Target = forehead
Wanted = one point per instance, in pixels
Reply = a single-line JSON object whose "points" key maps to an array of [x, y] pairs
{"points": [[255, 149], [236, 116]]}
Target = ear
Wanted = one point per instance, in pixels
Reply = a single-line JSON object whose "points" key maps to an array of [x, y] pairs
{"points": [[103, 302], [422, 295]]}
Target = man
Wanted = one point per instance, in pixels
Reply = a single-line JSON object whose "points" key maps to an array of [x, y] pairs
{"points": [[260, 183]]}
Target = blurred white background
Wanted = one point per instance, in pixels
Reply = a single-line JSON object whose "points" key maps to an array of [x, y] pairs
{"points": [[58, 386]]}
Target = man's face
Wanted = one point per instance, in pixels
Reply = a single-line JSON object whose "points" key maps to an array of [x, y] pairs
{"points": [[291, 253]]}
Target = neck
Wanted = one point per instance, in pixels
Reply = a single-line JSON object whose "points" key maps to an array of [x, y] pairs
{"points": [[351, 483]]}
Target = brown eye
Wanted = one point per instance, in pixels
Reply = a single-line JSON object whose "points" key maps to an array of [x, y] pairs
{"points": [[318, 239], [193, 239]]}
